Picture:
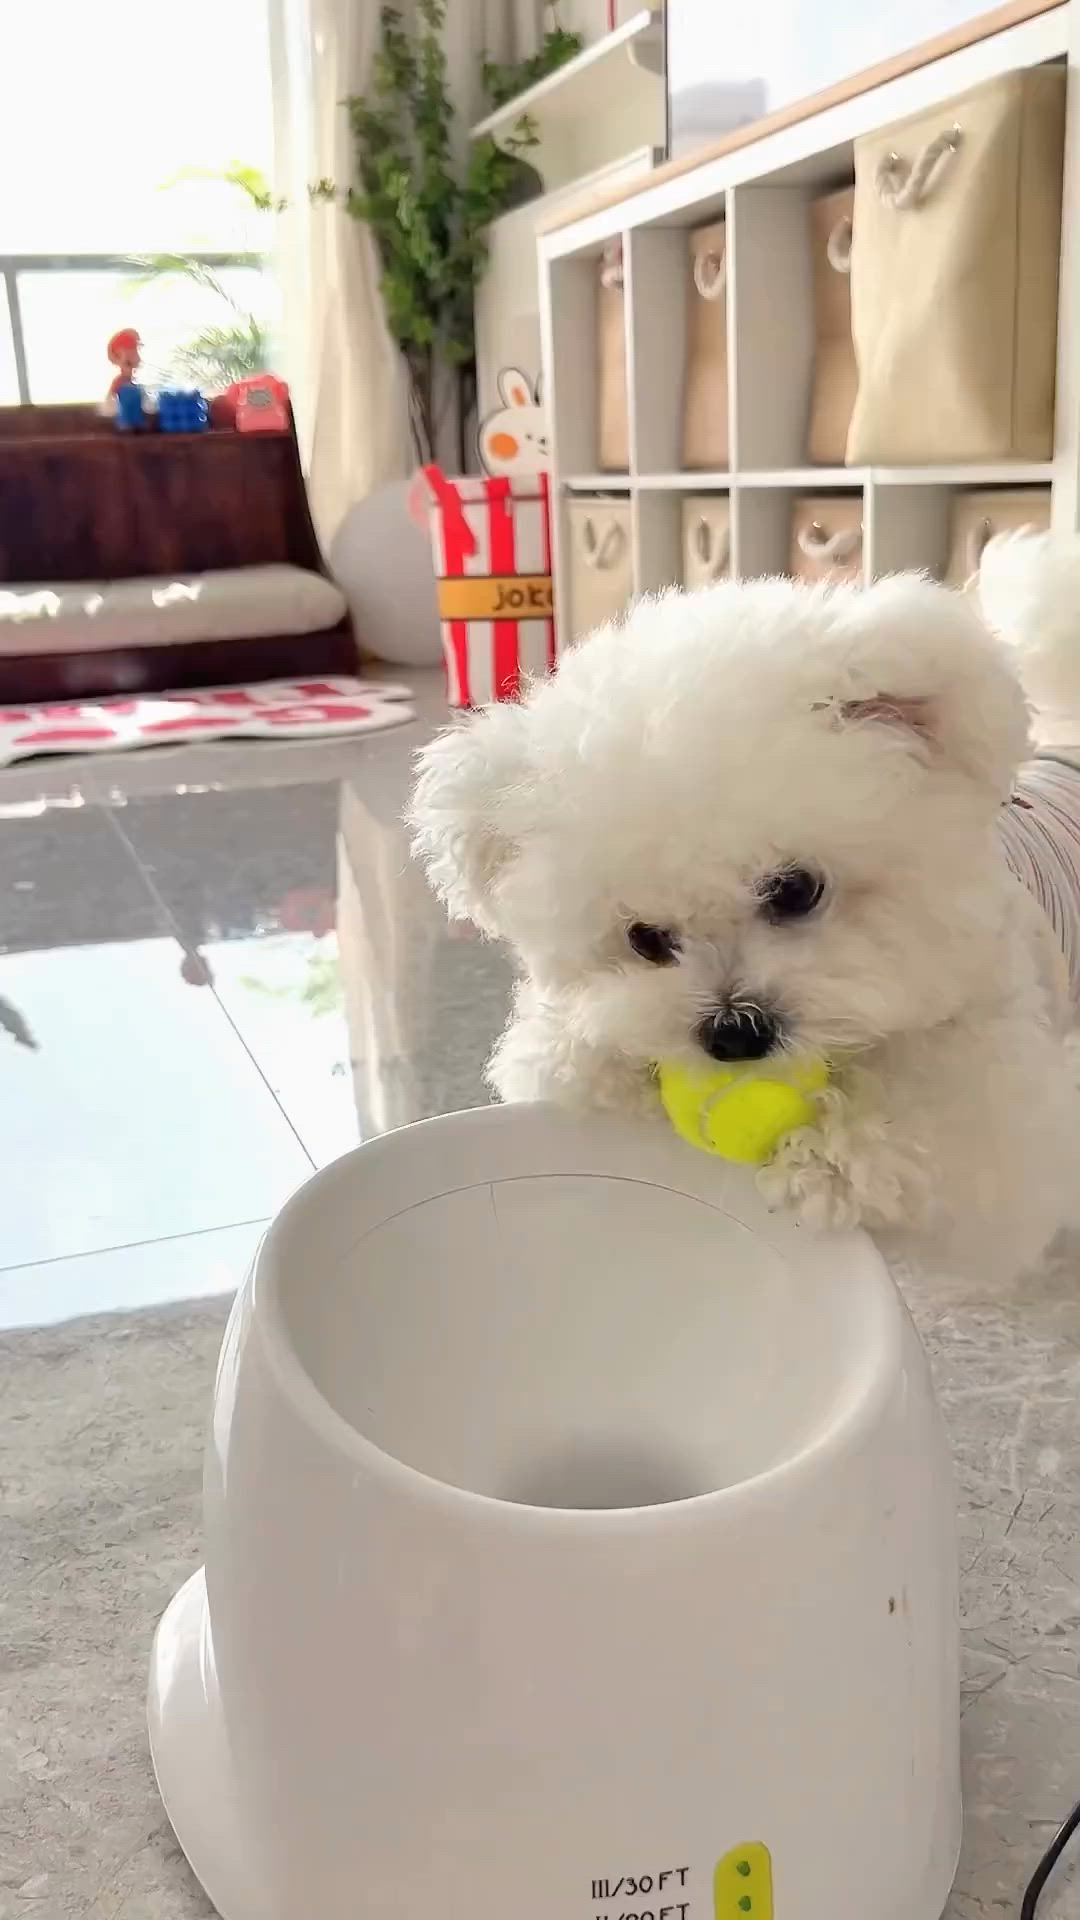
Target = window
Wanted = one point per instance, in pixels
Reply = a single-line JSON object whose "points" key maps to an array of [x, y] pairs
{"points": [[113, 143]]}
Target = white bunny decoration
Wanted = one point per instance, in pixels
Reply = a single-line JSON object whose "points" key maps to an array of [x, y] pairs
{"points": [[513, 439]]}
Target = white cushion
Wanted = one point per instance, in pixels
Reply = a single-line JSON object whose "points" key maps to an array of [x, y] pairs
{"points": [[235, 603]]}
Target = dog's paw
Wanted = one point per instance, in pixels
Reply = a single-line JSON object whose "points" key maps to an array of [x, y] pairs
{"points": [[835, 1177], [801, 1176]]}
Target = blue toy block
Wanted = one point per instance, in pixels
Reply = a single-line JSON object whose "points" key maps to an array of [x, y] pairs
{"points": [[182, 410]]}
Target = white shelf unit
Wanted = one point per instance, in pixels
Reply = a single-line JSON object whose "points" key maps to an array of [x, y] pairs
{"points": [[507, 306], [600, 483], [608, 100], [761, 191]]}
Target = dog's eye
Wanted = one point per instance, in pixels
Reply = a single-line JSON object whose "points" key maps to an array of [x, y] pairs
{"points": [[791, 893], [655, 944]]}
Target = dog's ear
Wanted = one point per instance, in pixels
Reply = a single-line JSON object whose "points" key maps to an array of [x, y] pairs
{"points": [[917, 659], [465, 779]]}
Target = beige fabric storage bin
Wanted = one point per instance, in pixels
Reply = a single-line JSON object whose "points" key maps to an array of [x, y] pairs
{"points": [[832, 396], [706, 539], [612, 407], [705, 396], [601, 569], [976, 517], [954, 277], [827, 538]]}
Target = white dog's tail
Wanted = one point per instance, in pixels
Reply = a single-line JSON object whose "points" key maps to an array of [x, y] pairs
{"points": [[1029, 590]]}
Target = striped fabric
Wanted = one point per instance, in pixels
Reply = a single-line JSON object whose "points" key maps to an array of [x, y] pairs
{"points": [[491, 539], [1040, 835]]}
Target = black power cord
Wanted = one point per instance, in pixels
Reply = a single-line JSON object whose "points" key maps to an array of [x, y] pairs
{"points": [[1048, 1862]]}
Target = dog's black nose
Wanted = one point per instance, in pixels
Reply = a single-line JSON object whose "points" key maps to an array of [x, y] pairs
{"points": [[739, 1033]]}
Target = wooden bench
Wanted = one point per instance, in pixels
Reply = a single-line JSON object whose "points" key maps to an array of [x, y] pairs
{"points": [[81, 501]]}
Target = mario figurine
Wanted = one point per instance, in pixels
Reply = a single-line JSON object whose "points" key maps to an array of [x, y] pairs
{"points": [[124, 351]]}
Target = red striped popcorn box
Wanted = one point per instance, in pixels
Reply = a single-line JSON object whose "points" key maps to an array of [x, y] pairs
{"points": [[491, 541]]}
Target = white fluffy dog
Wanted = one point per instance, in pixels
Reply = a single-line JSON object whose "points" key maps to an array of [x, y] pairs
{"points": [[761, 819]]}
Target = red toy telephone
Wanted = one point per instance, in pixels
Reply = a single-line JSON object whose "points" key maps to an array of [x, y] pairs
{"points": [[260, 404]]}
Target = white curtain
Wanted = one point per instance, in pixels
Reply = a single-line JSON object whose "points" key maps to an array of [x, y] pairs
{"points": [[344, 372]]}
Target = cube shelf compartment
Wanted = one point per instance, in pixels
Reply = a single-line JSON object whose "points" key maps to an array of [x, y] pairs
{"points": [[762, 192]]}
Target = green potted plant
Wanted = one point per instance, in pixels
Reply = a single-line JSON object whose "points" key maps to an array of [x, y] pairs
{"points": [[428, 213]]}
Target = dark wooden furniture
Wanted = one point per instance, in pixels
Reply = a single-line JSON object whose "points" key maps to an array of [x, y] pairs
{"points": [[80, 501]]}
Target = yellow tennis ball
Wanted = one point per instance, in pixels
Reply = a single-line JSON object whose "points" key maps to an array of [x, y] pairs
{"points": [[737, 1112]]}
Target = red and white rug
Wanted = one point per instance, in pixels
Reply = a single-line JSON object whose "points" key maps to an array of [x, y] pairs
{"points": [[273, 710]]}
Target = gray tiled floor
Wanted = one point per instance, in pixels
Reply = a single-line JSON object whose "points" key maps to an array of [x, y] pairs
{"points": [[230, 972]]}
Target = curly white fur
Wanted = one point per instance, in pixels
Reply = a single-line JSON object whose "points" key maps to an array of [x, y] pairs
{"points": [[1029, 590], [716, 738]]}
